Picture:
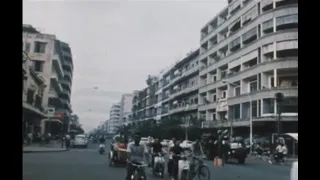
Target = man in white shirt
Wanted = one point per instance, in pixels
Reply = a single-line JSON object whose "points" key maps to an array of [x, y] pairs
{"points": [[281, 151], [136, 153]]}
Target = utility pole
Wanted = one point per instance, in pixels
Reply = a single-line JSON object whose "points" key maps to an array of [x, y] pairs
{"points": [[279, 99]]}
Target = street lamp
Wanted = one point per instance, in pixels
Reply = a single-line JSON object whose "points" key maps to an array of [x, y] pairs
{"points": [[250, 113]]}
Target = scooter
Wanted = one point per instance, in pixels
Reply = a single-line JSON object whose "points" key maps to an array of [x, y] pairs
{"points": [[138, 173], [158, 166], [183, 168], [101, 148]]}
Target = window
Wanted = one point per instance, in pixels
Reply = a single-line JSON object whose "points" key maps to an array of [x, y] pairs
{"points": [[287, 22], [27, 48], [38, 65], [213, 116], [267, 26], [249, 36], [214, 97], [237, 91], [253, 86], [268, 106], [39, 47], [214, 78], [290, 105], [224, 94]]}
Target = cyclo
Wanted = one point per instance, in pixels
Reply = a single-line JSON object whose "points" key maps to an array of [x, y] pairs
{"points": [[118, 152]]}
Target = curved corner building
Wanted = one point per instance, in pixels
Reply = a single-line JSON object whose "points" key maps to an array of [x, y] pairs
{"points": [[249, 52]]}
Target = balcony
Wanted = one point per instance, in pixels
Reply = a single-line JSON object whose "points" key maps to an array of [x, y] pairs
{"points": [[184, 108], [66, 92], [264, 93], [53, 94], [211, 105], [68, 64], [262, 18], [68, 75], [55, 80], [184, 91], [67, 83], [56, 62], [184, 75]]}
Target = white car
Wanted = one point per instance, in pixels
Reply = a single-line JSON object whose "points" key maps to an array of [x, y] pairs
{"points": [[294, 171], [80, 141], [186, 144]]}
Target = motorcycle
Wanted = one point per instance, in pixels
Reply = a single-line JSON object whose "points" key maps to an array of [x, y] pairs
{"points": [[101, 148], [158, 166], [274, 159], [235, 150], [138, 173]]}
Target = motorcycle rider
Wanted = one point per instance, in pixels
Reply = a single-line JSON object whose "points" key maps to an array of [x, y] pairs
{"points": [[176, 150], [170, 162], [136, 153], [280, 152], [156, 147]]}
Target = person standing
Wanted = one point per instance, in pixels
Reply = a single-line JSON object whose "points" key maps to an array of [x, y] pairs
{"points": [[68, 139]]}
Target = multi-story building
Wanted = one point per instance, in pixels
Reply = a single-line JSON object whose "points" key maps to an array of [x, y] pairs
{"points": [[49, 57], [249, 52], [125, 107], [32, 95], [114, 122], [180, 89]]}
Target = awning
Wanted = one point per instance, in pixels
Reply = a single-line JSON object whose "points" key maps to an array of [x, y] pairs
{"points": [[293, 135]]}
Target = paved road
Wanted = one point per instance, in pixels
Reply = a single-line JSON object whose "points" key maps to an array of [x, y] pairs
{"points": [[87, 164]]}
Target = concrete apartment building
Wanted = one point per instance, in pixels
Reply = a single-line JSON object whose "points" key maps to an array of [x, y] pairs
{"points": [[32, 94], [114, 122], [52, 60], [125, 107], [249, 52], [180, 89]]}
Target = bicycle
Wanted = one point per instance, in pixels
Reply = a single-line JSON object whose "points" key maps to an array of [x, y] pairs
{"points": [[200, 169]]}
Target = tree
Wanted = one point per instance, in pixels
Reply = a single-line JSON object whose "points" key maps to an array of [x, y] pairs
{"points": [[150, 80]]}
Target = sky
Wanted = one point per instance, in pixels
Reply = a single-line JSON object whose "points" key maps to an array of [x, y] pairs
{"points": [[117, 44]]}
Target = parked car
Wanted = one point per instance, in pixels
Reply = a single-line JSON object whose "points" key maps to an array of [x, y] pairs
{"points": [[186, 144], [80, 140]]}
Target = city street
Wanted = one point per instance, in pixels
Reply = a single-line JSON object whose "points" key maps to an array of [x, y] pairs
{"points": [[87, 164]]}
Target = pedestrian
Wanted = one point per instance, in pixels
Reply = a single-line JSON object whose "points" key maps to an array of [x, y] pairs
{"points": [[29, 138], [68, 138]]}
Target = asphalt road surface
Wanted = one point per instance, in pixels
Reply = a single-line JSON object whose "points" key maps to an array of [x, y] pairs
{"points": [[87, 164]]}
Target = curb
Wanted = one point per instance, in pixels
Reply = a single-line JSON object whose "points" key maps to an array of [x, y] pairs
{"points": [[49, 151]]}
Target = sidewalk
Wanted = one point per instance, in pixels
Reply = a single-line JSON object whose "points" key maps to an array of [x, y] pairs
{"points": [[38, 148]]}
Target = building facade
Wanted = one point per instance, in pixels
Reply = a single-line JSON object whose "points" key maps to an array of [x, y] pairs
{"points": [[32, 95], [125, 107], [114, 121], [48, 59], [249, 52], [180, 89]]}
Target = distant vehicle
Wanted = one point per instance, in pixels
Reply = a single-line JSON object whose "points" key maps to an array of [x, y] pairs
{"points": [[186, 144], [80, 140]]}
